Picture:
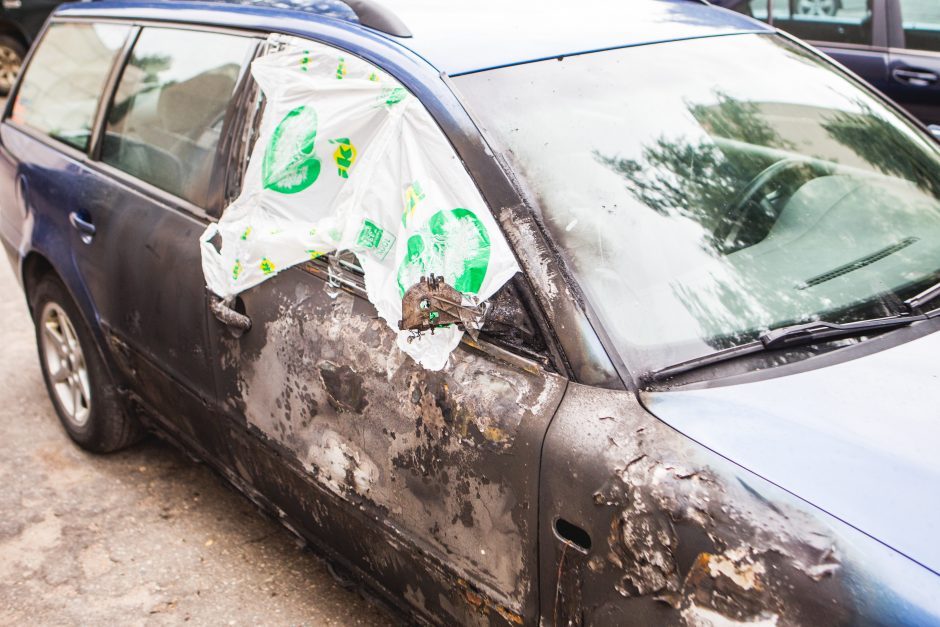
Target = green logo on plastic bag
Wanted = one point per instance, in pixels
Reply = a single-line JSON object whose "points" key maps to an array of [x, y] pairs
{"points": [[344, 156], [393, 95], [375, 238], [453, 244], [290, 164], [267, 266], [341, 69], [413, 195]]}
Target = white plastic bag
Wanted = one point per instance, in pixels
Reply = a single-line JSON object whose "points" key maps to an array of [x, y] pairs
{"points": [[348, 159]]}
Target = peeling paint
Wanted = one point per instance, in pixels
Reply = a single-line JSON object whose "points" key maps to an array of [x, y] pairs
{"points": [[442, 461], [679, 538]]}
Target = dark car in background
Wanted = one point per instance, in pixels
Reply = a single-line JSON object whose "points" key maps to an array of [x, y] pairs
{"points": [[20, 22], [892, 44], [708, 396]]}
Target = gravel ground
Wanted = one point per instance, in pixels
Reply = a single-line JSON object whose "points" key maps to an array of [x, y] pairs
{"points": [[144, 536]]}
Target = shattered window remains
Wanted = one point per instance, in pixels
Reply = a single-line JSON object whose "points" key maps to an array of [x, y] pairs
{"points": [[347, 159]]}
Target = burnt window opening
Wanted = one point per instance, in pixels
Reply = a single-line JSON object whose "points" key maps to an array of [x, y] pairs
{"points": [[508, 324]]}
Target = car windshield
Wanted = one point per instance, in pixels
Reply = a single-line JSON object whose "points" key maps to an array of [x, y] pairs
{"points": [[707, 190]]}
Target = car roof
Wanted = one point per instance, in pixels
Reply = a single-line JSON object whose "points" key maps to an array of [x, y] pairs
{"points": [[461, 36]]}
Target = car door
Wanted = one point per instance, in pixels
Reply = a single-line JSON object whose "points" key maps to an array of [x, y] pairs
{"points": [[47, 133], [914, 62], [142, 206], [853, 32], [425, 483]]}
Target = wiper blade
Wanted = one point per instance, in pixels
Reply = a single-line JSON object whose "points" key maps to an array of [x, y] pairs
{"points": [[791, 336], [916, 302], [802, 334]]}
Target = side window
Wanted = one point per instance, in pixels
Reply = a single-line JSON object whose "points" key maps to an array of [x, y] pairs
{"points": [[836, 21], [921, 19], [164, 124], [751, 8], [839, 21], [59, 93]]}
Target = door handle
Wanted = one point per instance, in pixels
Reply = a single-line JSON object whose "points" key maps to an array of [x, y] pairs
{"points": [[85, 228], [916, 78], [238, 323]]}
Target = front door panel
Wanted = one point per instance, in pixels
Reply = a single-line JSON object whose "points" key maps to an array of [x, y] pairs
{"points": [[443, 464]]}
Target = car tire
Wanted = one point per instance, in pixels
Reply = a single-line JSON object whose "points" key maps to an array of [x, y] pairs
{"points": [[77, 379], [11, 60]]}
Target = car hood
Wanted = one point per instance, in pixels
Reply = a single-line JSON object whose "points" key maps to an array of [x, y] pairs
{"points": [[859, 439]]}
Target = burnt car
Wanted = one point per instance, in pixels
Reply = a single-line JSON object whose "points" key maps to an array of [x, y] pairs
{"points": [[703, 390]]}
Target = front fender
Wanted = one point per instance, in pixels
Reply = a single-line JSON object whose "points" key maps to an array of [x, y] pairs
{"points": [[681, 536]]}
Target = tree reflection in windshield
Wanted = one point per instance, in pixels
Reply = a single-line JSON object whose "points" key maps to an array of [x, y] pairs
{"points": [[877, 141], [695, 178], [702, 206]]}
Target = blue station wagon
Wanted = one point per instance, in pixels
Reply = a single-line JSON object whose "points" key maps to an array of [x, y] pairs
{"points": [[708, 396]]}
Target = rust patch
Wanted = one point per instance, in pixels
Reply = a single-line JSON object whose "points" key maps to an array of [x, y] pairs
{"points": [[482, 605]]}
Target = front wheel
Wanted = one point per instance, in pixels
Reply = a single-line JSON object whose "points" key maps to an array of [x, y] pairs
{"points": [[76, 377]]}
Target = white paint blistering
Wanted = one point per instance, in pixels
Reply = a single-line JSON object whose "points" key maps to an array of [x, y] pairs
{"points": [[695, 616]]}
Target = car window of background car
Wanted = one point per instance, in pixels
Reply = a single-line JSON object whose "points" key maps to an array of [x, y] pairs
{"points": [[748, 189], [921, 20], [59, 93], [168, 111], [839, 21]]}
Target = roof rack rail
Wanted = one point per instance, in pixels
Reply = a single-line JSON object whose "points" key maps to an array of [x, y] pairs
{"points": [[373, 15]]}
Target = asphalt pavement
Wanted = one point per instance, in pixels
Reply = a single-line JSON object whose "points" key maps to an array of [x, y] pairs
{"points": [[140, 537]]}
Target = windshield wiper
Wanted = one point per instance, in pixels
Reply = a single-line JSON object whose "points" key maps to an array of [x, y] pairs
{"points": [[916, 302], [812, 332], [791, 336]]}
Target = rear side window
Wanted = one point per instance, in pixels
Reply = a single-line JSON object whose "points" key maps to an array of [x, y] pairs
{"points": [[921, 24], [59, 93], [164, 124]]}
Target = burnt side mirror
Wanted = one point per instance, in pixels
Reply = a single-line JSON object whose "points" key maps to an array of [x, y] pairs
{"points": [[508, 321]]}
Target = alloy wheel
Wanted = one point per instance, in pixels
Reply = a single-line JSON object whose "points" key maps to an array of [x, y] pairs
{"points": [[817, 7], [65, 364]]}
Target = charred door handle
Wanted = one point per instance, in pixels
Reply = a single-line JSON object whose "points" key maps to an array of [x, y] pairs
{"points": [[915, 77], [84, 226], [237, 322]]}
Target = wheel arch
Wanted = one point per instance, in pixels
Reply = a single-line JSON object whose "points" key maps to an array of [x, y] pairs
{"points": [[13, 29], [33, 268]]}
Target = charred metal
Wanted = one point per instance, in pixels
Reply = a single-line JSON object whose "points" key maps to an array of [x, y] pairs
{"points": [[686, 542]]}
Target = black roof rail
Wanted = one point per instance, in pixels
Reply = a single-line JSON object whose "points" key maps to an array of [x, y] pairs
{"points": [[373, 15]]}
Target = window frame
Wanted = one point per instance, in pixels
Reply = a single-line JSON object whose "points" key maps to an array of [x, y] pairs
{"points": [[340, 267], [214, 206], [91, 157], [7, 116]]}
